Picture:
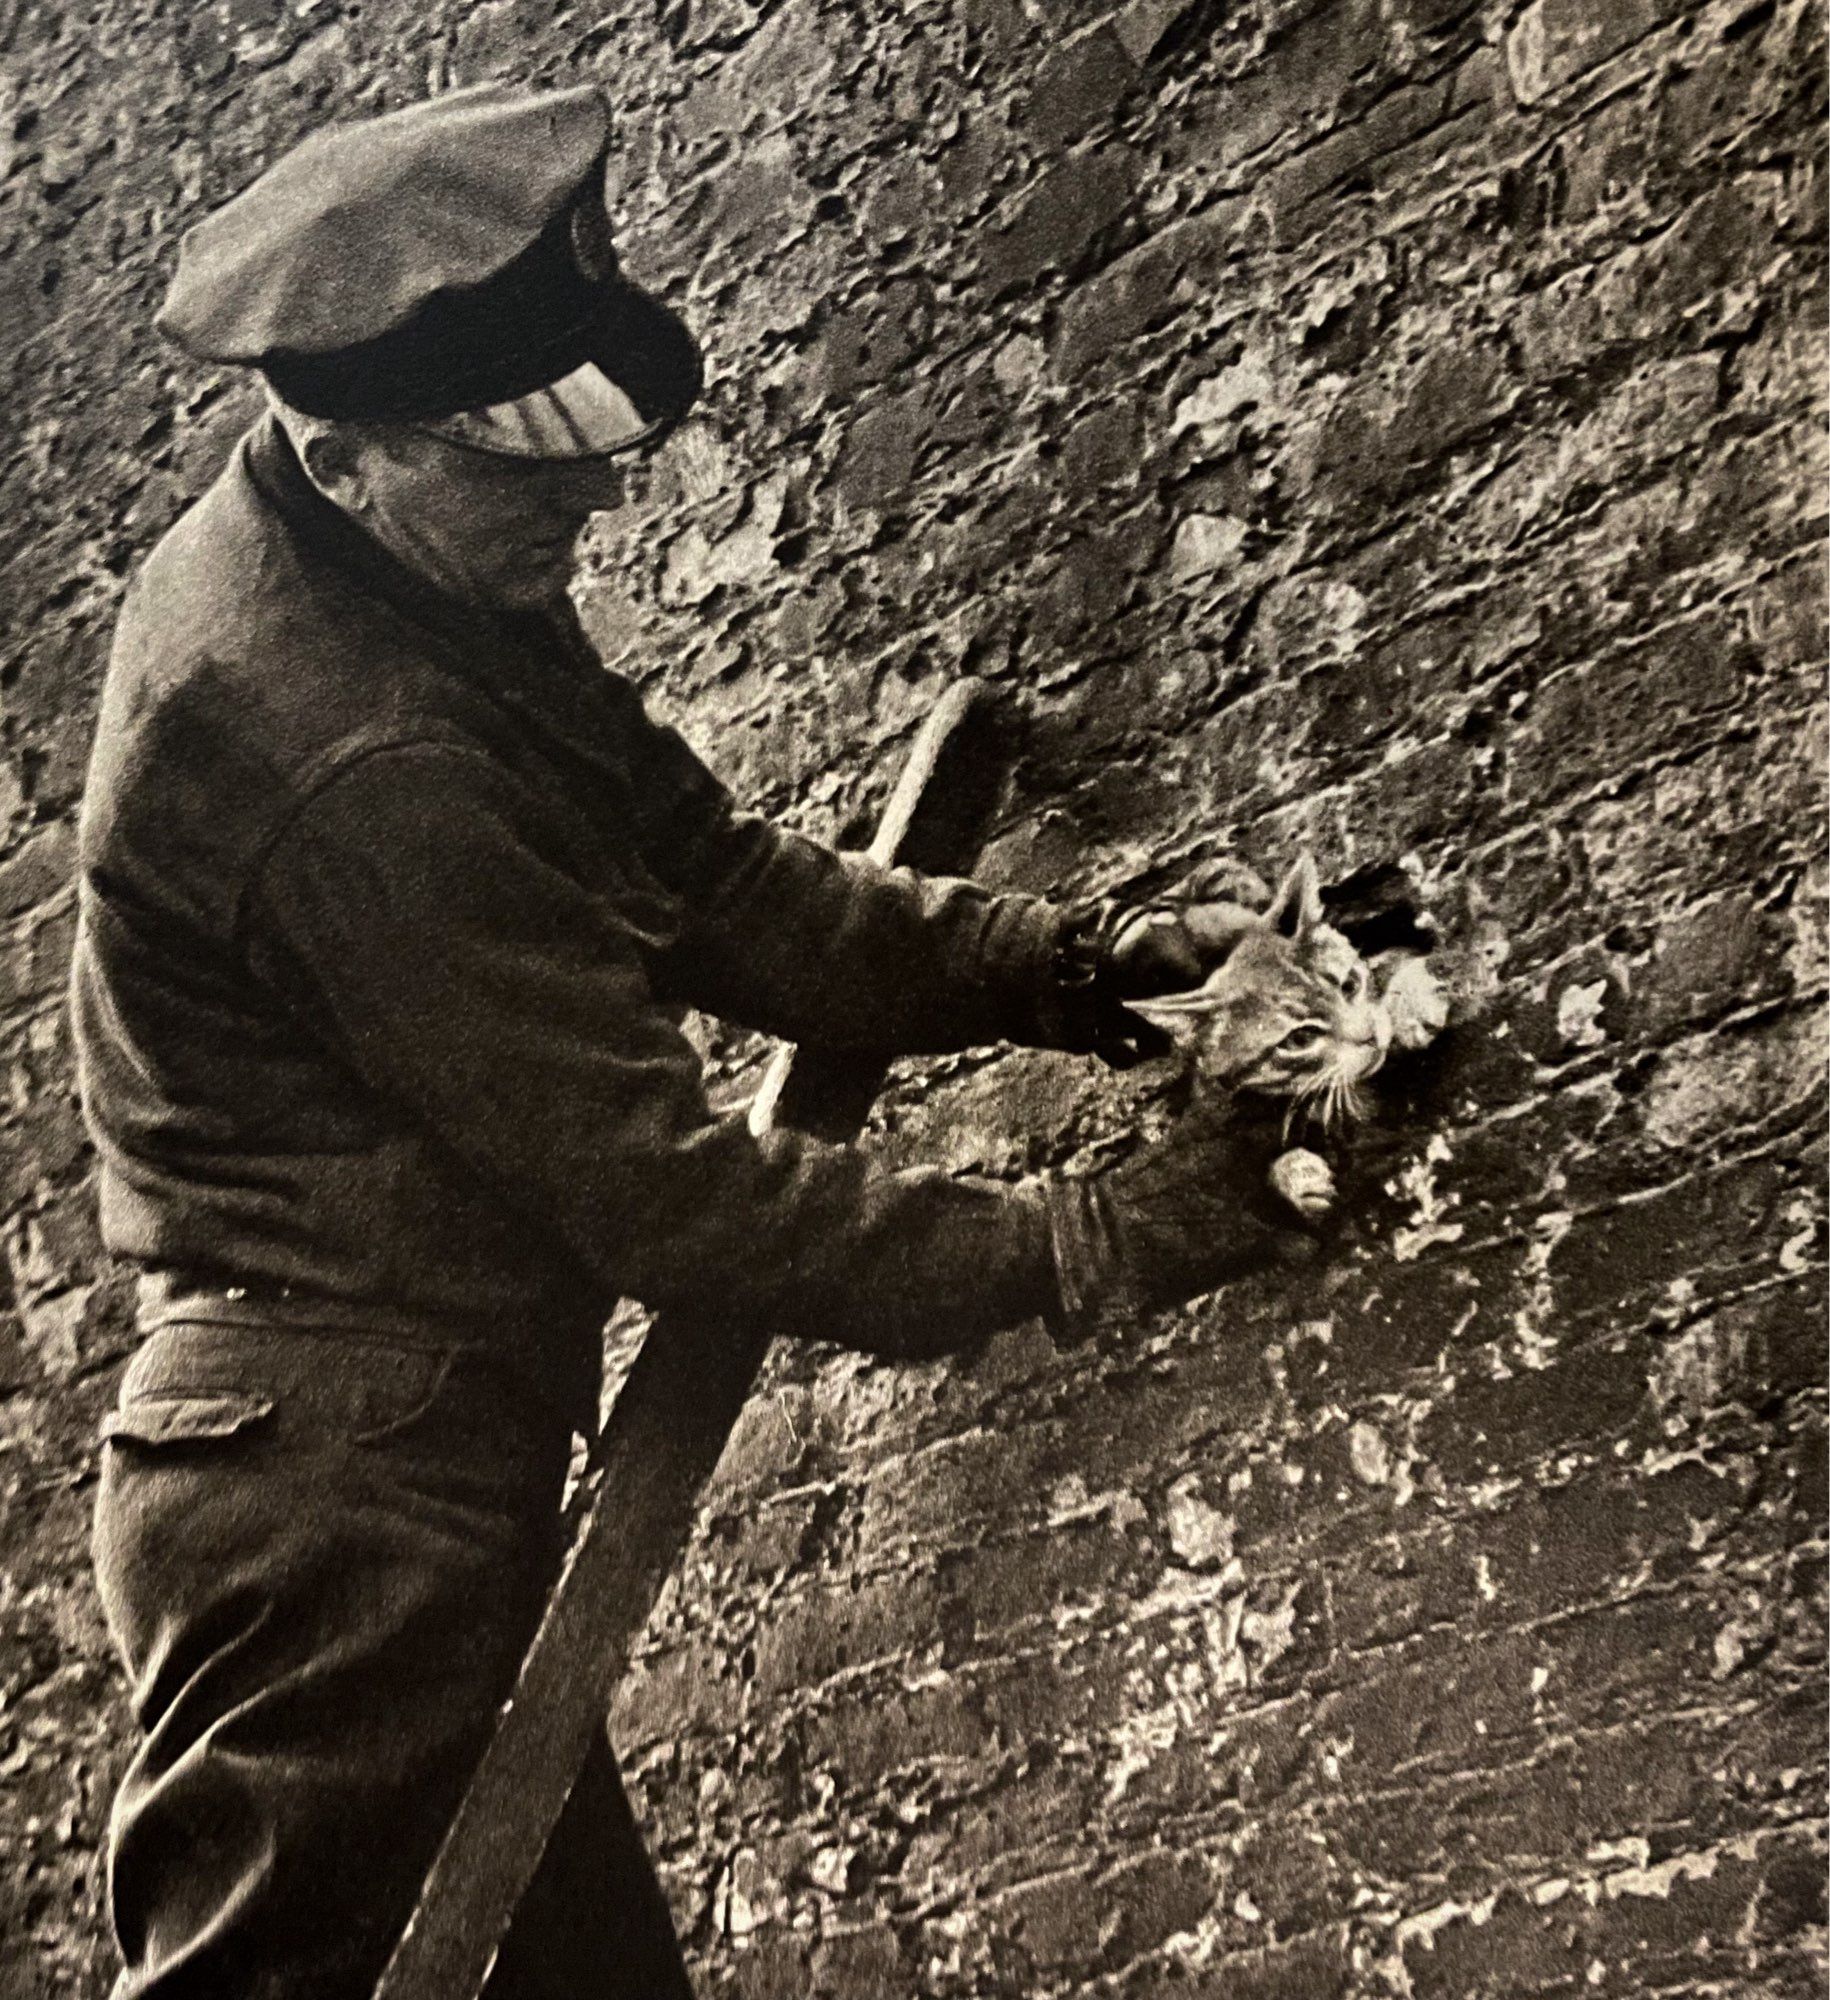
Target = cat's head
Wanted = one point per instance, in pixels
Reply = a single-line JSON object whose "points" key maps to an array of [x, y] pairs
{"points": [[1291, 1011]]}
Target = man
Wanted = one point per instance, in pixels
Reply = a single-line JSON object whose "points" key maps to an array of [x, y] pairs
{"points": [[391, 899]]}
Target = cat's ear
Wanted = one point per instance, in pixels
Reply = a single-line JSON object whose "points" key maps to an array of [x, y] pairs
{"points": [[1172, 1012], [1296, 909]]}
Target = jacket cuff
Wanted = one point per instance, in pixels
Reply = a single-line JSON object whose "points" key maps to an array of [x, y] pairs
{"points": [[1021, 955], [1090, 1266], [1063, 978]]}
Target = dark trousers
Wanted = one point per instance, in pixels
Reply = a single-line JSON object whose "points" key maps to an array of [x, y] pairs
{"points": [[322, 1558]]}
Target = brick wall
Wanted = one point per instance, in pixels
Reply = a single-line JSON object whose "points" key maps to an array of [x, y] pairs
{"points": [[1388, 425]]}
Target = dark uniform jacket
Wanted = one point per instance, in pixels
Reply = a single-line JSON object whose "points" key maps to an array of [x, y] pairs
{"points": [[388, 908]]}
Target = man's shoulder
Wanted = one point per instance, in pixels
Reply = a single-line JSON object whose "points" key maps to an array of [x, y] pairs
{"points": [[236, 625], [231, 591], [242, 674]]}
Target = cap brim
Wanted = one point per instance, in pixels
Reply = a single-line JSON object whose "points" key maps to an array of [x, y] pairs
{"points": [[633, 371], [582, 415], [644, 347]]}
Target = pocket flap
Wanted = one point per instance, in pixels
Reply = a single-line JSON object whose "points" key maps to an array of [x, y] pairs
{"points": [[181, 1419]]}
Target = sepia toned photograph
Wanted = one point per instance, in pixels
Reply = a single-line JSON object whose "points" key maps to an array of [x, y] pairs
{"points": [[913, 956]]}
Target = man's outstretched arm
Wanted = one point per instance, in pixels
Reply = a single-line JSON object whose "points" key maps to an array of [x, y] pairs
{"points": [[471, 981], [789, 937]]}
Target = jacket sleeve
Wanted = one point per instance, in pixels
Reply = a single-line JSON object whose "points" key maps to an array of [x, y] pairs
{"points": [[796, 940], [472, 980]]}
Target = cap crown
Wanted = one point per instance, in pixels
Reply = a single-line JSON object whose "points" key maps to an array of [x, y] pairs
{"points": [[359, 228]]}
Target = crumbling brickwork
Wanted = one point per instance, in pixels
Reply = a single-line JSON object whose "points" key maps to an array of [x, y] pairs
{"points": [[1387, 425]]}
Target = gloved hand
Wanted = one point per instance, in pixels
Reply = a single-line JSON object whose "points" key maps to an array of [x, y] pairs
{"points": [[1195, 1208], [1113, 952]]}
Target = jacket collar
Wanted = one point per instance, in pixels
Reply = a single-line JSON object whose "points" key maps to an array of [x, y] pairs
{"points": [[543, 666], [544, 671]]}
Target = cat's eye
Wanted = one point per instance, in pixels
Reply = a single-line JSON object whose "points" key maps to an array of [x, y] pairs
{"points": [[1309, 1036], [1353, 981]]}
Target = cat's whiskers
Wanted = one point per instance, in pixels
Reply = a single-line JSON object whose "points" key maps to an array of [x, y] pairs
{"points": [[1310, 1101], [1333, 1099]]}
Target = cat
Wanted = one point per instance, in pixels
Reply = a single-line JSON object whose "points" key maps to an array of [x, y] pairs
{"points": [[1294, 1012]]}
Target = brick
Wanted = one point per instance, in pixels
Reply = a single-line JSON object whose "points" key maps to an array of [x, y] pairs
{"points": [[1145, 287], [860, 1965], [1158, 1895], [1608, 1259], [1699, 1096], [1556, 41], [1057, 1921], [1077, 87], [1598, 721], [881, 448], [1677, 287], [1294, 1968], [683, 1689], [874, 341], [770, 1966], [1059, 221], [826, 1633], [1727, 953], [1297, 90], [45, 866], [976, 166], [1073, 1565], [1039, 1809], [1103, 449], [889, 1731], [1304, 195]]}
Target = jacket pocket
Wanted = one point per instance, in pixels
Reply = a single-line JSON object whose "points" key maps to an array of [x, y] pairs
{"points": [[186, 1419]]}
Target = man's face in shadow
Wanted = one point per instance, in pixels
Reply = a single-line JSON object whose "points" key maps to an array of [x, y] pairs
{"points": [[491, 529]]}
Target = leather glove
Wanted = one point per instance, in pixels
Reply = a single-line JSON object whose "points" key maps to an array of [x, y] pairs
{"points": [[1190, 1211], [1110, 953]]}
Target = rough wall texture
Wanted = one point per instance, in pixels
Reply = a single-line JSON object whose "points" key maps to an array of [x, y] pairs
{"points": [[1391, 425]]}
